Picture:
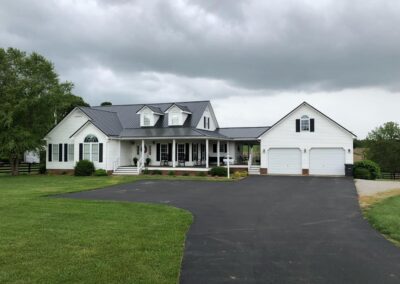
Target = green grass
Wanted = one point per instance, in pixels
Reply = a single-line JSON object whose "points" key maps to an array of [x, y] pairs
{"points": [[57, 240], [384, 216]]}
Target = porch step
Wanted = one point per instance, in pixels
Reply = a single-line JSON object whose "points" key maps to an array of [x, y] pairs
{"points": [[126, 171], [254, 170]]}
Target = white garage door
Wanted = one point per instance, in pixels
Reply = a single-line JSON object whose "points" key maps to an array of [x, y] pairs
{"points": [[329, 161], [284, 161]]}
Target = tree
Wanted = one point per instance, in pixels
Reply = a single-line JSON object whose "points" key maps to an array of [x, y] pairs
{"points": [[106, 104], [384, 146], [32, 99]]}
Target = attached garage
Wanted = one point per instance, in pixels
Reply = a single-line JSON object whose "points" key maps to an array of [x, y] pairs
{"points": [[327, 161], [286, 161]]}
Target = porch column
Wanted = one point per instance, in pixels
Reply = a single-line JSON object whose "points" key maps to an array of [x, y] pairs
{"points": [[227, 160], [142, 156], [173, 153], [218, 153], [207, 163]]}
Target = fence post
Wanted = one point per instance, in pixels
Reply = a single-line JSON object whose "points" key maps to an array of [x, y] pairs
{"points": [[29, 168]]}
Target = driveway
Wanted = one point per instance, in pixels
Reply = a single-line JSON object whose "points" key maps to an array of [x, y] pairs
{"points": [[271, 230]]}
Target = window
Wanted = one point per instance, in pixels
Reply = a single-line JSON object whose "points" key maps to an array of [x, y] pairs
{"points": [[305, 123], [164, 152], [91, 139], [55, 153], [206, 122], [174, 118], [146, 120], [195, 152], [222, 147], [91, 148], [70, 152], [181, 152]]}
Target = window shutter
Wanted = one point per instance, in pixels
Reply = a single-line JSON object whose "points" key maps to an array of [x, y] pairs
{"points": [[50, 152], [312, 124], [208, 123], [100, 152], [80, 151], [158, 152], [169, 151], [297, 125], [65, 152], [60, 148], [187, 152], [205, 122], [214, 148]]}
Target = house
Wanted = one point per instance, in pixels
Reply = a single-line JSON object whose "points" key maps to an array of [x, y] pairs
{"points": [[186, 137]]}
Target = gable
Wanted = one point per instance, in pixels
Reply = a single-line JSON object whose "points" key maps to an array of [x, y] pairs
{"points": [[66, 127], [323, 125], [208, 113]]}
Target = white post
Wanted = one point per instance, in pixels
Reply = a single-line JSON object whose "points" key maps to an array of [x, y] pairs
{"points": [[207, 154], [218, 153], [142, 152], [227, 159], [173, 153]]}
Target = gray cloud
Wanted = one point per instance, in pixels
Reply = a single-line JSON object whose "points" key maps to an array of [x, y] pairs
{"points": [[128, 51]]}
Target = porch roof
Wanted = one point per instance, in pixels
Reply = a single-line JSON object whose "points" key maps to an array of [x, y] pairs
{"points": [[243, 133], [172, 132]]}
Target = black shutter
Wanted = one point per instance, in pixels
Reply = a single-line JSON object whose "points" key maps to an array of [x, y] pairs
{"points": [[158, 152], [312, 125], [297, 125], [205, 122], [208, 123], [187, 152], [100, 152], [80, 151], [60, 147], [50, 152], [215, 148], [65, 152], [169, 151]]}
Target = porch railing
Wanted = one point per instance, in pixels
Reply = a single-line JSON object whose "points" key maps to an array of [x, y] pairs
{"points": [[116, 165]]}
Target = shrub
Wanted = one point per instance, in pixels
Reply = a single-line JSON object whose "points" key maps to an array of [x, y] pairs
{"points": [[372, 167], [218, 171], [148, 160], [362, 173], [156, 172], [146, 172], [201, 174], [42, 169], [171, 173], [185, 174], [100, 173], [84, 168], [135, 160]]}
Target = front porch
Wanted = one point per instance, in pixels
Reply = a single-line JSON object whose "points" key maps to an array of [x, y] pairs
{"points": [[187, 155]]}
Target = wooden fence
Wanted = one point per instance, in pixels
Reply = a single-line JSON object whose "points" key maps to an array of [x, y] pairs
{"points": [[24, 168], [391, 176]]}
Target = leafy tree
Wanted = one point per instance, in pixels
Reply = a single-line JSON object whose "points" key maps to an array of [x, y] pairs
{"points": [[32, 100], [106, 104], [384, 146]]}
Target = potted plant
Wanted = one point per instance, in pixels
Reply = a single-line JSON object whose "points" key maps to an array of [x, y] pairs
{"points": [[148, 160], [135, 160]]}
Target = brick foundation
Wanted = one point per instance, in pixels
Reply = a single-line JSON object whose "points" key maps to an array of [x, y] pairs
{"points": [[68, 172], [305, 172], [264, 171]]}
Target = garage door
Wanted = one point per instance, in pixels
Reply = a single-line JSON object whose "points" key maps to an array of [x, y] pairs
{"points": [[329, 161], [284, 161]]}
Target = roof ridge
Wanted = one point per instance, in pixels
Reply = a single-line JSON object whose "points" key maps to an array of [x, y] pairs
{"points": [[100, 109], [243, 127], [138, 104]]}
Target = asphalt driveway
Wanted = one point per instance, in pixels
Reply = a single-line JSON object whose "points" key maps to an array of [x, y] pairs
{"points": [[271, 230]]}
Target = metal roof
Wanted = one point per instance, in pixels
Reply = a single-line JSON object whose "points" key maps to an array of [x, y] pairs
{"points": [[239, 133]]}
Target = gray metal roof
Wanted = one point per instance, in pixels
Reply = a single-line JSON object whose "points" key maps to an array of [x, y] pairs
{"points": [[124, 122], [243, 132]]}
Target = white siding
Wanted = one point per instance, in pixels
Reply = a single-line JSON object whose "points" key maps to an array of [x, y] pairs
{"points": [[327, 135], [213, 122]]}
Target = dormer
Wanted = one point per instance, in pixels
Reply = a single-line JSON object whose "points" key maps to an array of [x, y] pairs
{"points": [[177, 114], [149, 115]]}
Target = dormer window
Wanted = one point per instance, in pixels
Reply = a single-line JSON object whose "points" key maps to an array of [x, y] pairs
{"points": [[305, 123], [149, 115], [177, 114]]}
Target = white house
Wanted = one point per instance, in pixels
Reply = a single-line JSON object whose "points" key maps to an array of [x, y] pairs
{"points": [[186, 137]]}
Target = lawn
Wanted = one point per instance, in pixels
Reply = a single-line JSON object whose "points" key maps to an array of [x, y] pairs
{"points": [[54, 240], [384, 216]]}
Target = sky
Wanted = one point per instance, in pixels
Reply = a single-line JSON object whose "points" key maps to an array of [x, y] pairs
{"points": [[255, 60]]}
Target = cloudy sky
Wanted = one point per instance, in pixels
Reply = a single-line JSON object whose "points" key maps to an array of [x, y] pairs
{"points": [[258, 59]]}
